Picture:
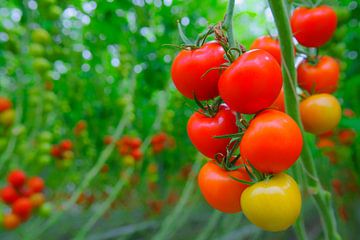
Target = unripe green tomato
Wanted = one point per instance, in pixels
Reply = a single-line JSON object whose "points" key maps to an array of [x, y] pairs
{"points": [[41, 65], [46, 136], [34, 100], [46, 209], [36, 50], [7, 117], [54, 12], [44, 147], [44, 159], [19, 130], [47, 76], [50, 97], [48, 107], [41, 36], [3, 143]]}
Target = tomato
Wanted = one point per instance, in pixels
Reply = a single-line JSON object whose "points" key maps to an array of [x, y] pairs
{"points": [[45, 209], [9, 194], [22, 207], [202, 130], [66, 145], [11, 221], [313, 27], [325, 143], [41, 36], [5, 104], [320, 113], [219, 189], [7, 117], [269, 44], [16, 178], [272, 142], [36, 50], [320, 78], [279, 103], [134, 142], [137, 154], [36, 184], [37, 200], [349, 113], [189, 68], [251, 83], [108, 140], [41, 65], [273, 204], [347, 136], [56, 151]]}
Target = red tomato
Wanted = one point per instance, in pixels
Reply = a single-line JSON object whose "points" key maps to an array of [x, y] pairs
{"points": [[325, 143], [108, 140], [22, 207], [137, 154], [56, 151], [251, 83], [16, 178], [5, 104], [11, 221], [313, 27], [269, 44], [36, 184], [189, 67], [9, 194], [272, 142], [219, 189], [279, 103], [347, 136], [320, 78], [134, 142], [66, 145], [202, 129]]}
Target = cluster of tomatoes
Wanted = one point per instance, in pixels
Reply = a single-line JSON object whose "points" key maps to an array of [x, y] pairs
{"points": [[249, 157], [63, 152], [130, 148], [23, 195], [7, 113], [161, 141]]}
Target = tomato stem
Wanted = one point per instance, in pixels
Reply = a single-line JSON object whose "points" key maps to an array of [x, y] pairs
{"points": [[279, 11], [228, 23], [182, 35]]}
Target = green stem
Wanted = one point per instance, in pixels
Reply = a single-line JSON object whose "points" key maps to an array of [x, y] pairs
{"points": [[211, 226], [228, 23], [322, 198]]}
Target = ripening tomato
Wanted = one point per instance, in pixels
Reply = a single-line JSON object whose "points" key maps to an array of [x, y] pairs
{"points": [[11, 221], [189, 71], [320, 113], [347, 136], [313, 27], [5, 104], [219, 189], [137, 154], [279, 103], [9, 194], [202, 130], [272, 142], [16, 178], [37, 200], [269, 44], [36, 184], [22, 207], [273, 204], [134, 142], [320, 78], [251, 83]]}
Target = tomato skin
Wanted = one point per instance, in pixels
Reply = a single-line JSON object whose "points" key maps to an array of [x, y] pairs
{"points": [[11, 221], [347, 136], [16, 178], [219, 190], [313, 27], [279, 103], [5, 104], [320, 113], [202, 129], [272, 142], [321, 78], [36, 184], [251, 83], [274, 204], [22, 207], [9, 194], [189, 67], [269, 44]]}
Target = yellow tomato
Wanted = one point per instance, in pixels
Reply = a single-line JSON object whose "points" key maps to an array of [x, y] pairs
{"points": [[320, 113], [273, 204]]}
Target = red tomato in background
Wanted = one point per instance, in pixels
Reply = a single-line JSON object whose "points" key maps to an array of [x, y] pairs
{"points": [[36, 184], [16, 178], [219, 189], [272, 142], [320, 78], [5, 104], [11, 221], [189, 67], [66, 145], [269, 44], [279, 103], [313, 27], [9, 194], [22, 207], [251, 83], [202, 129]]}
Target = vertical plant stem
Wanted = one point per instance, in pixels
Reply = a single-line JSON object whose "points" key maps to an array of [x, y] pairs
{"points": [[228, 23], [322, 197]]}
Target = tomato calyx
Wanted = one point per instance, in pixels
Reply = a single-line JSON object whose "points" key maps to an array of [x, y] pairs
{"points": [[208, 109]]}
